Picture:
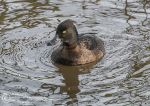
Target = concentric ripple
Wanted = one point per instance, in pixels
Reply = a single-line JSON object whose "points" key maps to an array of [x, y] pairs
{"points": [[27, 39]]}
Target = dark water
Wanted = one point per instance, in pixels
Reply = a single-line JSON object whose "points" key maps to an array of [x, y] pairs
{"points": [[27, 76]]}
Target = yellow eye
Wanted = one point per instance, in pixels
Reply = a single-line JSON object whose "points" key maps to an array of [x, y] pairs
{"points": [[64, 32]]}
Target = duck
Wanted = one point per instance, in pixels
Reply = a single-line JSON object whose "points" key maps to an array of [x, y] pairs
{"points": [[76, 49]]}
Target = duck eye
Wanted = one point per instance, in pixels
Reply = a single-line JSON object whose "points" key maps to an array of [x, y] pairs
{"points": [[64, 33]]}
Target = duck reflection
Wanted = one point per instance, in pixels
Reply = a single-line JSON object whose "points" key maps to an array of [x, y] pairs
{"points": [[71, 77]]}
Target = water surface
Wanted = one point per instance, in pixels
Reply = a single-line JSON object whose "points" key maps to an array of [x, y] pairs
{"points": [[28, 77]]}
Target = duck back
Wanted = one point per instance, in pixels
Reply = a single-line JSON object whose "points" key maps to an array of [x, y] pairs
{"points": [[91, 49]]}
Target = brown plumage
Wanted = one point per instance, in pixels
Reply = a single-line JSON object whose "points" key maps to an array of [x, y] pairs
{"points": [[76, 50]]}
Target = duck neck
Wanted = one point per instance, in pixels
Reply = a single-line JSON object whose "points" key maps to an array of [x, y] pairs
{"points": [[74, 49], [72, 46]]}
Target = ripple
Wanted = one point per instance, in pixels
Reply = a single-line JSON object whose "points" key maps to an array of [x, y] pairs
{"points": [[28, 77]]}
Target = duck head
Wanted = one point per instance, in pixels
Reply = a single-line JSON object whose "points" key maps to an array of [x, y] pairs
{"points": [[68, 34]]}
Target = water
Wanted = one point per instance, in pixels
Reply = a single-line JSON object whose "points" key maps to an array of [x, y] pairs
{"points": [[28, 77]]}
